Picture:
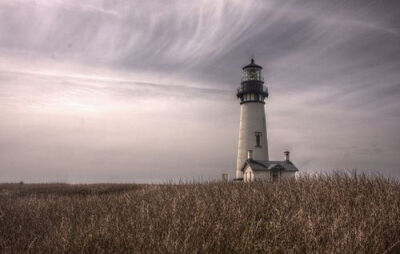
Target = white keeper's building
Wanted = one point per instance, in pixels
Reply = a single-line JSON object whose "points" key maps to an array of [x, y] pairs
{"points": [[252, 160]]}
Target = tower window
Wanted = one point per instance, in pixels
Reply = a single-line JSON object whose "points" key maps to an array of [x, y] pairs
{"points": [[258, 139]]}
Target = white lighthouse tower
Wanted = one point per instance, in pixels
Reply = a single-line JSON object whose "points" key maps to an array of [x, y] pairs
{"points": [[252, 159], [252, 131]]}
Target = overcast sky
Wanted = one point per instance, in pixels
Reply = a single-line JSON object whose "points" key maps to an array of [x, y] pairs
{"points": [[144, 91]]}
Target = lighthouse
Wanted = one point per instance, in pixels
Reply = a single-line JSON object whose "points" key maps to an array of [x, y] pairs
{"points": [[252, 130], [252, 157]]}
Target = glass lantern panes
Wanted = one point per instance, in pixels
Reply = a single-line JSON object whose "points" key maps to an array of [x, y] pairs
{"points": [[251, 74]]}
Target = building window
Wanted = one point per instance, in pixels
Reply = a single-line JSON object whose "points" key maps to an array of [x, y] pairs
{"points": [[258, 139]]}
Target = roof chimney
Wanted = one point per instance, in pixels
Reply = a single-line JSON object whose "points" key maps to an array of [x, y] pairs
{"points": [[286, 153], [250, 154]]}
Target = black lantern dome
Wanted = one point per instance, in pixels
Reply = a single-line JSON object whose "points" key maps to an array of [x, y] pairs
{"points": [[252, 65]]}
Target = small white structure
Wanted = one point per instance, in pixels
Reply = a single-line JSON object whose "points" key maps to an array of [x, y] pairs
{"points": [[252, 159], [268, 170]]}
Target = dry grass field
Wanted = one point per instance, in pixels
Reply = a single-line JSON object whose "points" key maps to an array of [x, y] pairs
{"points": [[325, 214]]}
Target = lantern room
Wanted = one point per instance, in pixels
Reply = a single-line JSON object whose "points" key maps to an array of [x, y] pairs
{"points": [[252, 87], [252, 72]]}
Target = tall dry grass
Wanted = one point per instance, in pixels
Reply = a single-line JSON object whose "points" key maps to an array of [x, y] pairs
{"points": [[325, 214]]}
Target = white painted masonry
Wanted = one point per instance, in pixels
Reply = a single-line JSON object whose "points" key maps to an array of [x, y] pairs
{"points": [[249, 175], [252, 121]]}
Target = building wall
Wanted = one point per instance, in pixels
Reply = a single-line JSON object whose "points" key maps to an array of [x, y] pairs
{"points": [[264, 175], [286, 175], [252, 120]]}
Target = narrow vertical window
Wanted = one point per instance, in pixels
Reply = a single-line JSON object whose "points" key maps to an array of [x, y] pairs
{"points": [[258, 139]]}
